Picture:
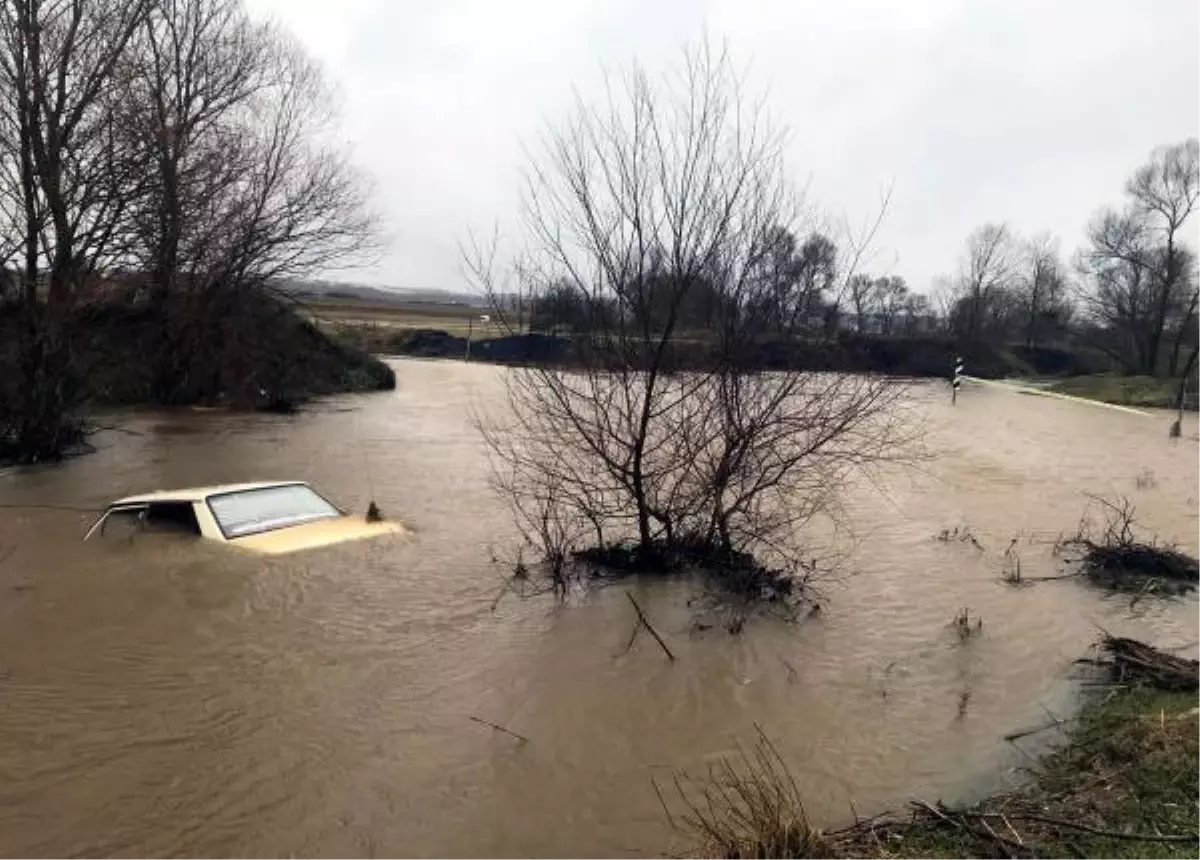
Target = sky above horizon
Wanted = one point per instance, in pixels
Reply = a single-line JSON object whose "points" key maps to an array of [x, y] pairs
{"points": [[1026, 112]]}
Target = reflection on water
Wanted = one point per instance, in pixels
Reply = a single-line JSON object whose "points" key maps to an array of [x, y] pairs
{"points": [[174, 698]]}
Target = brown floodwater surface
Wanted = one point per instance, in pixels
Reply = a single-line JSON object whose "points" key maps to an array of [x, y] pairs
{"points": [[166, 697]]}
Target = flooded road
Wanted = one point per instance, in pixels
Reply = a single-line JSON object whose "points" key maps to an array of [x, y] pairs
{"points": [[170, 699]]}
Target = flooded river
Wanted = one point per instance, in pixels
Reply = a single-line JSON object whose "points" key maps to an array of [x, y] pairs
{"points": [[165, 698]]}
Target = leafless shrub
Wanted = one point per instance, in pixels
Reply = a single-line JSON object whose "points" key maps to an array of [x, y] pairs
{"points": [[664, 218]]}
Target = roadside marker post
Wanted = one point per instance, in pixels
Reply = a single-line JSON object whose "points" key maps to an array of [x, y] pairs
{"points": [[957, 381], [483, 318]]}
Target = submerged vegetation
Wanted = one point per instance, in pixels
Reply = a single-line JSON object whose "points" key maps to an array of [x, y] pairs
{"points": [[1107, 550], [1114, 557], [1124, 784]]}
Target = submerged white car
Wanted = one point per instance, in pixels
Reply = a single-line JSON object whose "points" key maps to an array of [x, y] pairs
{"points": [[268, 517]]}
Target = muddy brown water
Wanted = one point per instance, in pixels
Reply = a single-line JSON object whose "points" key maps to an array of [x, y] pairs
{"points": [[169, 698]]}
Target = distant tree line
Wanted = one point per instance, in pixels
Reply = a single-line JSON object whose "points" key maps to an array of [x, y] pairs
{"points": [[1130, 293], [800, 288], [170, 148]]}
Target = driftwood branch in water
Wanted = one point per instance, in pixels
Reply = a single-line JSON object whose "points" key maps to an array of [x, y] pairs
{"points": [[1023, 733], [521, 738], [637, 627], [642, 620]]}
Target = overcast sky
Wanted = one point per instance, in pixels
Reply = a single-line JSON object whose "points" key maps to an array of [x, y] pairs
{"points": [[1027, 112]]}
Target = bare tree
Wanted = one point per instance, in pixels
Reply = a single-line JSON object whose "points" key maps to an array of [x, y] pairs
{"points": [[1141, 271], [246, 190], [1165, 192], [892, 297], [986, 274], [801, 278], [168, 142], [877, 302], [861, 292], [917, 316], [70, 181], [668, 189], [1042, 288]]}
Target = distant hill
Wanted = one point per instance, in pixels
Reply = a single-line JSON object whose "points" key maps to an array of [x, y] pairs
{"points": [[347, 291]]}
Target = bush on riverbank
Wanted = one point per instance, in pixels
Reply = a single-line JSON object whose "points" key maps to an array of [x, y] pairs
{"points": [[1123, 785]]}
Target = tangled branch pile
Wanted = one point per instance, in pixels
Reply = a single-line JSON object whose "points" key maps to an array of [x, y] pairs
{"points": [[1131, 662], [1117, 559]]}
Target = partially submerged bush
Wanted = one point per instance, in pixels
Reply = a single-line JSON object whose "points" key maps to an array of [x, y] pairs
{"points": [[1114, 557], [738, 574], [707, 462]]}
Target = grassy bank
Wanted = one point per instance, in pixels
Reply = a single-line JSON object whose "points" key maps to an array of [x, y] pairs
{"points": [[1122, 784], [1145, 391]]}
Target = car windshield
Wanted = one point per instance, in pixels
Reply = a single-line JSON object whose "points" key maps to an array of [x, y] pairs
{"points": [[248, 512]]}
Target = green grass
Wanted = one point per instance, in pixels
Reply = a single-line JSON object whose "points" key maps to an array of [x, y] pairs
{"points": [[1145, 391], [1129, 767]]}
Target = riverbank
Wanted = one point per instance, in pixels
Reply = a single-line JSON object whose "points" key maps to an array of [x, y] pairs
{"points": [[848, 352], [1144, 391], [1123, 783]]}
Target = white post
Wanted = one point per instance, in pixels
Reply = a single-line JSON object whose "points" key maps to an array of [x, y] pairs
{"points": [[483, 318], [958, 369]]}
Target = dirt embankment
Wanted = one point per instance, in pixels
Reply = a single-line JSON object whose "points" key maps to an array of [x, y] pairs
{"points": [[260, 355], [846, 352]]}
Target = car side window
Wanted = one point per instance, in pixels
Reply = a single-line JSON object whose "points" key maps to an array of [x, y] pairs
{"points": [[172, 517]]}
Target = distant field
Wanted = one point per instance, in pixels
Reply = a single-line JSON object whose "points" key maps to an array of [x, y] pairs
{"points": [[452, 318]]}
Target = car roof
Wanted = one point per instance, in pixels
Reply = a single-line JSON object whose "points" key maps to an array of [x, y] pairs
{"points": [[199, 494]]}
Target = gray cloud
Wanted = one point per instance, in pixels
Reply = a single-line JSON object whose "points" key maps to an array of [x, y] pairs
{"points": [[1030, 112]]}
